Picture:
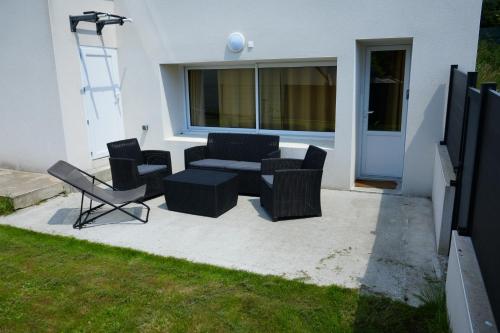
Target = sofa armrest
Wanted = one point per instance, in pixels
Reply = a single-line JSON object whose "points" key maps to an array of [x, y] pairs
{"points": [[274, 154], [270, 165], [194, 154], [124, 173], [161, 157]]}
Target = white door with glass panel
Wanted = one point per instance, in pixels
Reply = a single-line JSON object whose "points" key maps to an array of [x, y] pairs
{"points": [[101, 94], [383, 118]]}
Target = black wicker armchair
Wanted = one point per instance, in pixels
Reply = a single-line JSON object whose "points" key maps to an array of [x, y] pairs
{"points": [[291, 187], [131, 167]]}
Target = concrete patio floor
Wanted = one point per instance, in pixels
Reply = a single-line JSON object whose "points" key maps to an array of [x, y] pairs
{"points": [[377, 242]]}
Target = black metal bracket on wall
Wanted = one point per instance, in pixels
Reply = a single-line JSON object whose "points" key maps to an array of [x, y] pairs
{"points": [[100, 24], [86, 17], [99, 18]]}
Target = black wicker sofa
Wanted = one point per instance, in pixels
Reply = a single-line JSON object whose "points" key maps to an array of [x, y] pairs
{"points": [[239, 153]]}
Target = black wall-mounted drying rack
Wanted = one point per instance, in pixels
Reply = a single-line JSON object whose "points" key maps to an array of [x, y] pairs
{"points": [[99, 18]]}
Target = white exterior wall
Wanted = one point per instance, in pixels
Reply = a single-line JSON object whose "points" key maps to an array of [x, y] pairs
{"points": [[31, 132], [69, 79], [40, 95], [182, 32], [42, 118]]}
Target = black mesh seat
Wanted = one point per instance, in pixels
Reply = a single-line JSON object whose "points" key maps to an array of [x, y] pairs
{"points": [[81, 180], [292, 187], [132, 167]]}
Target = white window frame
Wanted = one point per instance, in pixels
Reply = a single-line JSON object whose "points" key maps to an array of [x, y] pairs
{"points": [[257, 129]]}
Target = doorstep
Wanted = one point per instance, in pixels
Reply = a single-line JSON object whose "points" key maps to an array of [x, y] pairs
{"points": [[30, 188]]}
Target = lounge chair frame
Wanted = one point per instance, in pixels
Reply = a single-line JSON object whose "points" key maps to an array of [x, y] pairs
{"points": [[83, 218], [79, 223]]}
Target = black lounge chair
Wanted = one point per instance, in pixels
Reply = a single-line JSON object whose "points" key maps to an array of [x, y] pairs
{"points": [[291, 187], [105, 196]]}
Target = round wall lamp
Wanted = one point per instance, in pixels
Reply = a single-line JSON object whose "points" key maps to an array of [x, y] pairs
{"points": [[236, 42]]}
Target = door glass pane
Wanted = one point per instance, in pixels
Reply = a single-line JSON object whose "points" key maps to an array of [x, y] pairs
{"points": [[298, 98], [222, 97], [386, 90]]}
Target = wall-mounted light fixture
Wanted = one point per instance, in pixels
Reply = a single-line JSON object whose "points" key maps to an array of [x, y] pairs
{"points": [[99, 18], [236, 42]]}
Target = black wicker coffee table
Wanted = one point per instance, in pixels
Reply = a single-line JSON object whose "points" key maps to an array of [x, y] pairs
{"points": [[201, 192]]}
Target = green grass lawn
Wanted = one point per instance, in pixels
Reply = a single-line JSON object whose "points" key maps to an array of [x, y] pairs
{"points": [[6, 206], [51, 283], [488, 62]]}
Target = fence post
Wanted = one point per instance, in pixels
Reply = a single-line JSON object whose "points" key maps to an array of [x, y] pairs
{"points": [[470, 83], [450, 88], [485, 87]]}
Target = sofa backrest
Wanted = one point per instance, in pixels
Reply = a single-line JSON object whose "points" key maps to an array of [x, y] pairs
{"points": [[241, 147]]}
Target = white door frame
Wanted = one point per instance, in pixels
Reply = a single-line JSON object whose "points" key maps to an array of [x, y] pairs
{"points": [[364, 98]]}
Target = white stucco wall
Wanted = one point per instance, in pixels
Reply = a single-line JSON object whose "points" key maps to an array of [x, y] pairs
{"points": [[69, 79], [182, 32], [31, 131], [41, 109], [40, 95]]}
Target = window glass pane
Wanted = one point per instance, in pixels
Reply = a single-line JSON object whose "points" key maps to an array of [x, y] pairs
{"points": [[298, 98], [222, 97], [386, 90]]}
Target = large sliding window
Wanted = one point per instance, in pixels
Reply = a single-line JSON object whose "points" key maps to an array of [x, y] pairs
{"points": [[298, 98], [222, 97]]}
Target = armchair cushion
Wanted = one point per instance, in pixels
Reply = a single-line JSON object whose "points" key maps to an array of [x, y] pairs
{"points": [[150, 168], [211, 163], [245, 166]]}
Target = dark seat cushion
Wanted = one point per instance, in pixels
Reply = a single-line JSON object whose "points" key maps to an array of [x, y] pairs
{"points": [[212, 163], [268, 179], [150, 168], [245, 166], [227, 164]]}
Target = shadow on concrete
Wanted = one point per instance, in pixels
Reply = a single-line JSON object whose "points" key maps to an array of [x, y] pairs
{"points": [[68, 216], [263, 213], [403, 262], [163, 206]]}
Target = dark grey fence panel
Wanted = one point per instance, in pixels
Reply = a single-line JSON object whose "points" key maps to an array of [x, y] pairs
{"points": [[456, 113], [463, 194], [484, 222]]}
